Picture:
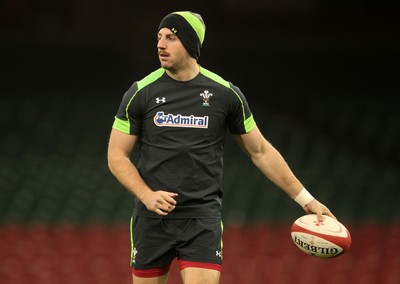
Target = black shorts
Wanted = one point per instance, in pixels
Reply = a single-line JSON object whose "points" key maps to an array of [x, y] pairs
{"points": [[155, 242]]}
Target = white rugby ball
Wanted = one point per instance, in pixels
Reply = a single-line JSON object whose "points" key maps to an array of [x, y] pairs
{"points": [[326, 239]]}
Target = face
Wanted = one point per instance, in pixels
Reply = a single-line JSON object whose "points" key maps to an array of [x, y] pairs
{"points": [[171, 52]]}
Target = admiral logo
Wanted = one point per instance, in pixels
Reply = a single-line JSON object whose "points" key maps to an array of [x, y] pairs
{"points": [[178, 120]]}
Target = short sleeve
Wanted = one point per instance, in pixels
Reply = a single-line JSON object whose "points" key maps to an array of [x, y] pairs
{"points": [[129, 115], [240, 119]]}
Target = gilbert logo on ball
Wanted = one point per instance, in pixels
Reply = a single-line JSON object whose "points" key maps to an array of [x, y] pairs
{"points": [[325, 239]]}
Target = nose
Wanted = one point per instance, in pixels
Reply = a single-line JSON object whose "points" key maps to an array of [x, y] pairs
{"points": [[161, 43]]}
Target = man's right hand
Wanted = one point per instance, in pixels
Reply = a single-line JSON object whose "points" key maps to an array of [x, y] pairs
{"points": [[160, 202]]}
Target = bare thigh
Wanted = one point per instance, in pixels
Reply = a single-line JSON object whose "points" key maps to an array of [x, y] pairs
{"points": [[152, 280], [195, 275]]}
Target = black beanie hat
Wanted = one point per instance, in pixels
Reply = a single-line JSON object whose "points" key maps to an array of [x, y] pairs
{"points": [[190, 29]]}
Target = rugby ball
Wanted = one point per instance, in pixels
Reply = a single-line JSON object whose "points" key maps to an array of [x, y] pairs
{"points": [[326, 239]]}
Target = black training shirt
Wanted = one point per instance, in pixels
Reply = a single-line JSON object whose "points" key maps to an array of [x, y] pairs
{"points": [[181, 128]]}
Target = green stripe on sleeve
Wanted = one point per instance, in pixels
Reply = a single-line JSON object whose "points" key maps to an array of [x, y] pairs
{"points": [[121, 125], [249, 124]]}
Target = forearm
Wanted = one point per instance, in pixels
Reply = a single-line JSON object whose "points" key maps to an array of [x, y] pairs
{"points": [[128, 175], [271, 163], [119, 150], [160, 202]]}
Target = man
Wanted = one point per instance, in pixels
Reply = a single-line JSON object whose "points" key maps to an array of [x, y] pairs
{"points": [[178, 115]]}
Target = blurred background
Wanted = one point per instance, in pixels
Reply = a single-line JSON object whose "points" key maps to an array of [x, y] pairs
{"points": [[321, 78]]}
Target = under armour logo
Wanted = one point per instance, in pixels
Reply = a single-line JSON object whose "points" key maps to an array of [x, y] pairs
{"points": [[174, 30], [218, 253], [160, 100], [133, 256]]}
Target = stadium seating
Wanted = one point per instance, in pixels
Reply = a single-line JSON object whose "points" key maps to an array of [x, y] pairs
{"points": [[252, 254]]}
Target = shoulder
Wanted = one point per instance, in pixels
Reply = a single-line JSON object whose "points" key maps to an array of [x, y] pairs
{"points": [[219, 80], [215, 77], [140, 85], [232, 89], [152, 77]]}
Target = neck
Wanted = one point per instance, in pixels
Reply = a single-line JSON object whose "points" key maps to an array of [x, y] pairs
{"points": [[186, 73]]}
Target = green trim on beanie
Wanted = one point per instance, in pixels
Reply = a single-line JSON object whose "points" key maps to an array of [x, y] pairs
{"points": [[196, 22]]}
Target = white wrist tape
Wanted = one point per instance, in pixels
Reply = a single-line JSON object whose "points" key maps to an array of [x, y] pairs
{"points": [[303, 198]]}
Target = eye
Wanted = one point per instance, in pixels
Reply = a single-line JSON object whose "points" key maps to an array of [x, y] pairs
{"points": [[171, 37]]}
